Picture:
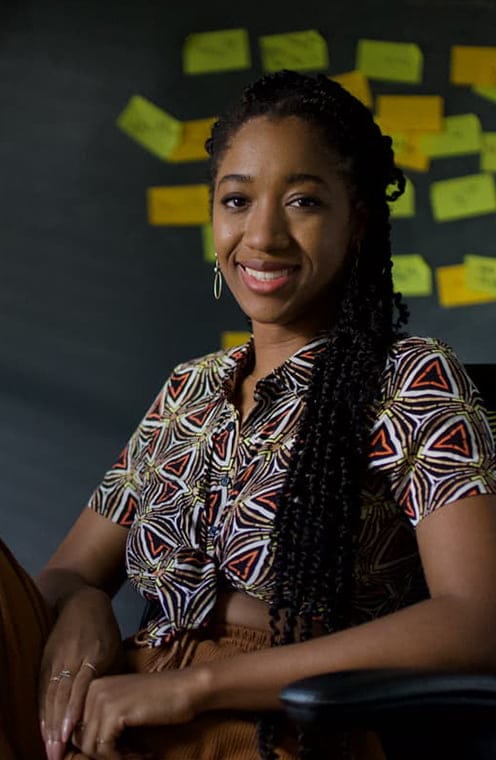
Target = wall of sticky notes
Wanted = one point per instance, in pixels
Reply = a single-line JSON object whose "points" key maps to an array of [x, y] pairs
{"points": [[107, 249]]}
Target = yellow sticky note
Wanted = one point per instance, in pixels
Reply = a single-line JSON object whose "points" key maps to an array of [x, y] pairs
{"points": [[486, 92], [208, 243], [453, 289], [412, 275], [417, 113], [488, 152], [191, 146], [150, 126], [408, 153], [178, 205], [300, 51], [223, 50], [390, 61], [404, 206], [461, 135], [481, 273], [231, 339], [472, 64], [462, 197], [356, 83]]}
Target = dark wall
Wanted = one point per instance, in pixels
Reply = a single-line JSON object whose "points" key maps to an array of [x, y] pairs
{"points": [[96, 306]]}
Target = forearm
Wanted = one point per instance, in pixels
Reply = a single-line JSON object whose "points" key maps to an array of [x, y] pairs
{"points": [[58, 585], [441, 633]]}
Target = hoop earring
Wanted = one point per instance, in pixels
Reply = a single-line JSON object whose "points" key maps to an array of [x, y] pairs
{"points": [[217, 279]]}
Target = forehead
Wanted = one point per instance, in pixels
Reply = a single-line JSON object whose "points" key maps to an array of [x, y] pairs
{"points": [[287, 141]]}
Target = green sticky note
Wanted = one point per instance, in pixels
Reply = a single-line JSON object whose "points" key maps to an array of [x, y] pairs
{"points": [[300, 51], [224, 50], [412, 275], [463, 197], [486, 92], [461, 135], [404, 206], [488, 152], [480, 273], [390, 61], [150, 126], [208, 243]]}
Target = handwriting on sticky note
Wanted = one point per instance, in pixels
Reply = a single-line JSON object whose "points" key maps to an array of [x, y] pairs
{"points": [[390, 61], [404, 206], [462, 197], [208, 244], [453, 289], [461, 135], [301, 51], [407, 151], [150, 126], [417, 113], [412, 275], [486, 92], [356, 83], [488, 152], [223, 50], [472, 64], [178, 205], [233, 338], [191, 146], [481, 273]]}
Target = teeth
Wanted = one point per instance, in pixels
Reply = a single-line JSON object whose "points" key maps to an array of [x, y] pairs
{"points": [[265, 276]]}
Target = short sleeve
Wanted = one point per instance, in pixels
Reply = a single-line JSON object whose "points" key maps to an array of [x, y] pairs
{"points": [[431, 437], [117, 497]]}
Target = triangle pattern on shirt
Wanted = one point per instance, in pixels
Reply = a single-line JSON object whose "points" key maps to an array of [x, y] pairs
{"points": [[432, 375], [456, 439], [179, 465], [242, 566], [154, 548], [178, 382], [382, 444]]}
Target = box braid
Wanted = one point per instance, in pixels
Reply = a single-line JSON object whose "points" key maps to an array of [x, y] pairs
{"points": [[319, 507]]}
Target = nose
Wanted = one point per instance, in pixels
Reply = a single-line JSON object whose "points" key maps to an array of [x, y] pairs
{"points": [[267, 228]]}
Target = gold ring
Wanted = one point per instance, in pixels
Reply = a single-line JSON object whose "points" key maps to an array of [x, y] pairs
{"points": [[65, 674], [91, 667], [55, 678], [103, 741]]}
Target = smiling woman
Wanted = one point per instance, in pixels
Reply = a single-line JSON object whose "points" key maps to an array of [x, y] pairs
{"points": [[318, 499]]}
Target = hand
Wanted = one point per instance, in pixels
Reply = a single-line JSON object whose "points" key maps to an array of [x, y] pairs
{"points": [[149, 699], [85, 642]]}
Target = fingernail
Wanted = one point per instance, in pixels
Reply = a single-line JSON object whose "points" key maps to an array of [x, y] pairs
{"points": [[48, 746], [66, 730]]}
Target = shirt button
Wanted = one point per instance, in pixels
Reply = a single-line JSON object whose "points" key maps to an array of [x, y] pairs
{"points": [[225, 481], [231, 425]]}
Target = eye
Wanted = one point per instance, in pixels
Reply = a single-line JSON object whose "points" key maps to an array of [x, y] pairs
{"points": [[306, 201], [234, 201]]}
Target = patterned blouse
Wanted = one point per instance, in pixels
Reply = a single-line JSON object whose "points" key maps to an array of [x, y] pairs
{"points": [[198, 491]]}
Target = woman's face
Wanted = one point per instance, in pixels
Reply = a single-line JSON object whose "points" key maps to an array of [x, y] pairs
{"points": [[282, 222]]}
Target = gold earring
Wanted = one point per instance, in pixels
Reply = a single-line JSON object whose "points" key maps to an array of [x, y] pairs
{"points": [[217, 279]]}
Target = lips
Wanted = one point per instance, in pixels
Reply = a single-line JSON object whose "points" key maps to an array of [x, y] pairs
{"points": [[266, 277]]}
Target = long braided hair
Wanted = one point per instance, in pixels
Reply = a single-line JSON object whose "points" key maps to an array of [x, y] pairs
{"points": [[319, 506]]}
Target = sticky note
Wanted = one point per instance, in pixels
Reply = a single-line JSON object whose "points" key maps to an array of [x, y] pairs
{"points": [[462, 197], [481, 273], [471, 64], [390, 61], [191, 145], [223, 50], [150, 126], [419, 113], [461, 135], [404, 206], [208, 243], [408, 153], [231, 339], [486, 92], [412, 275], [453, 289], [488, 152], [356, 83], [300, 51], [178, 205]]}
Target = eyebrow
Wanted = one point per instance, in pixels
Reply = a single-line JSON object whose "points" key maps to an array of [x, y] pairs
{"points": [[291, 179]]}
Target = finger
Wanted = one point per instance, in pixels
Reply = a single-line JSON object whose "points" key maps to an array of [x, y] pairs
{"points": [[60, 700], [101, 730], [75, 704]]}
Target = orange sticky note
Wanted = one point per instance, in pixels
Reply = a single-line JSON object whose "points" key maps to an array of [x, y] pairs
{"points": [[407, 151], [471, 64], [356, 83], [231, 339], [453, 290], [413, 113], [178, 205], [191, 145]]}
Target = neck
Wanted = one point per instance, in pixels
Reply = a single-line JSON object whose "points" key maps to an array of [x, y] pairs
{"points": [[274, 344]]}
